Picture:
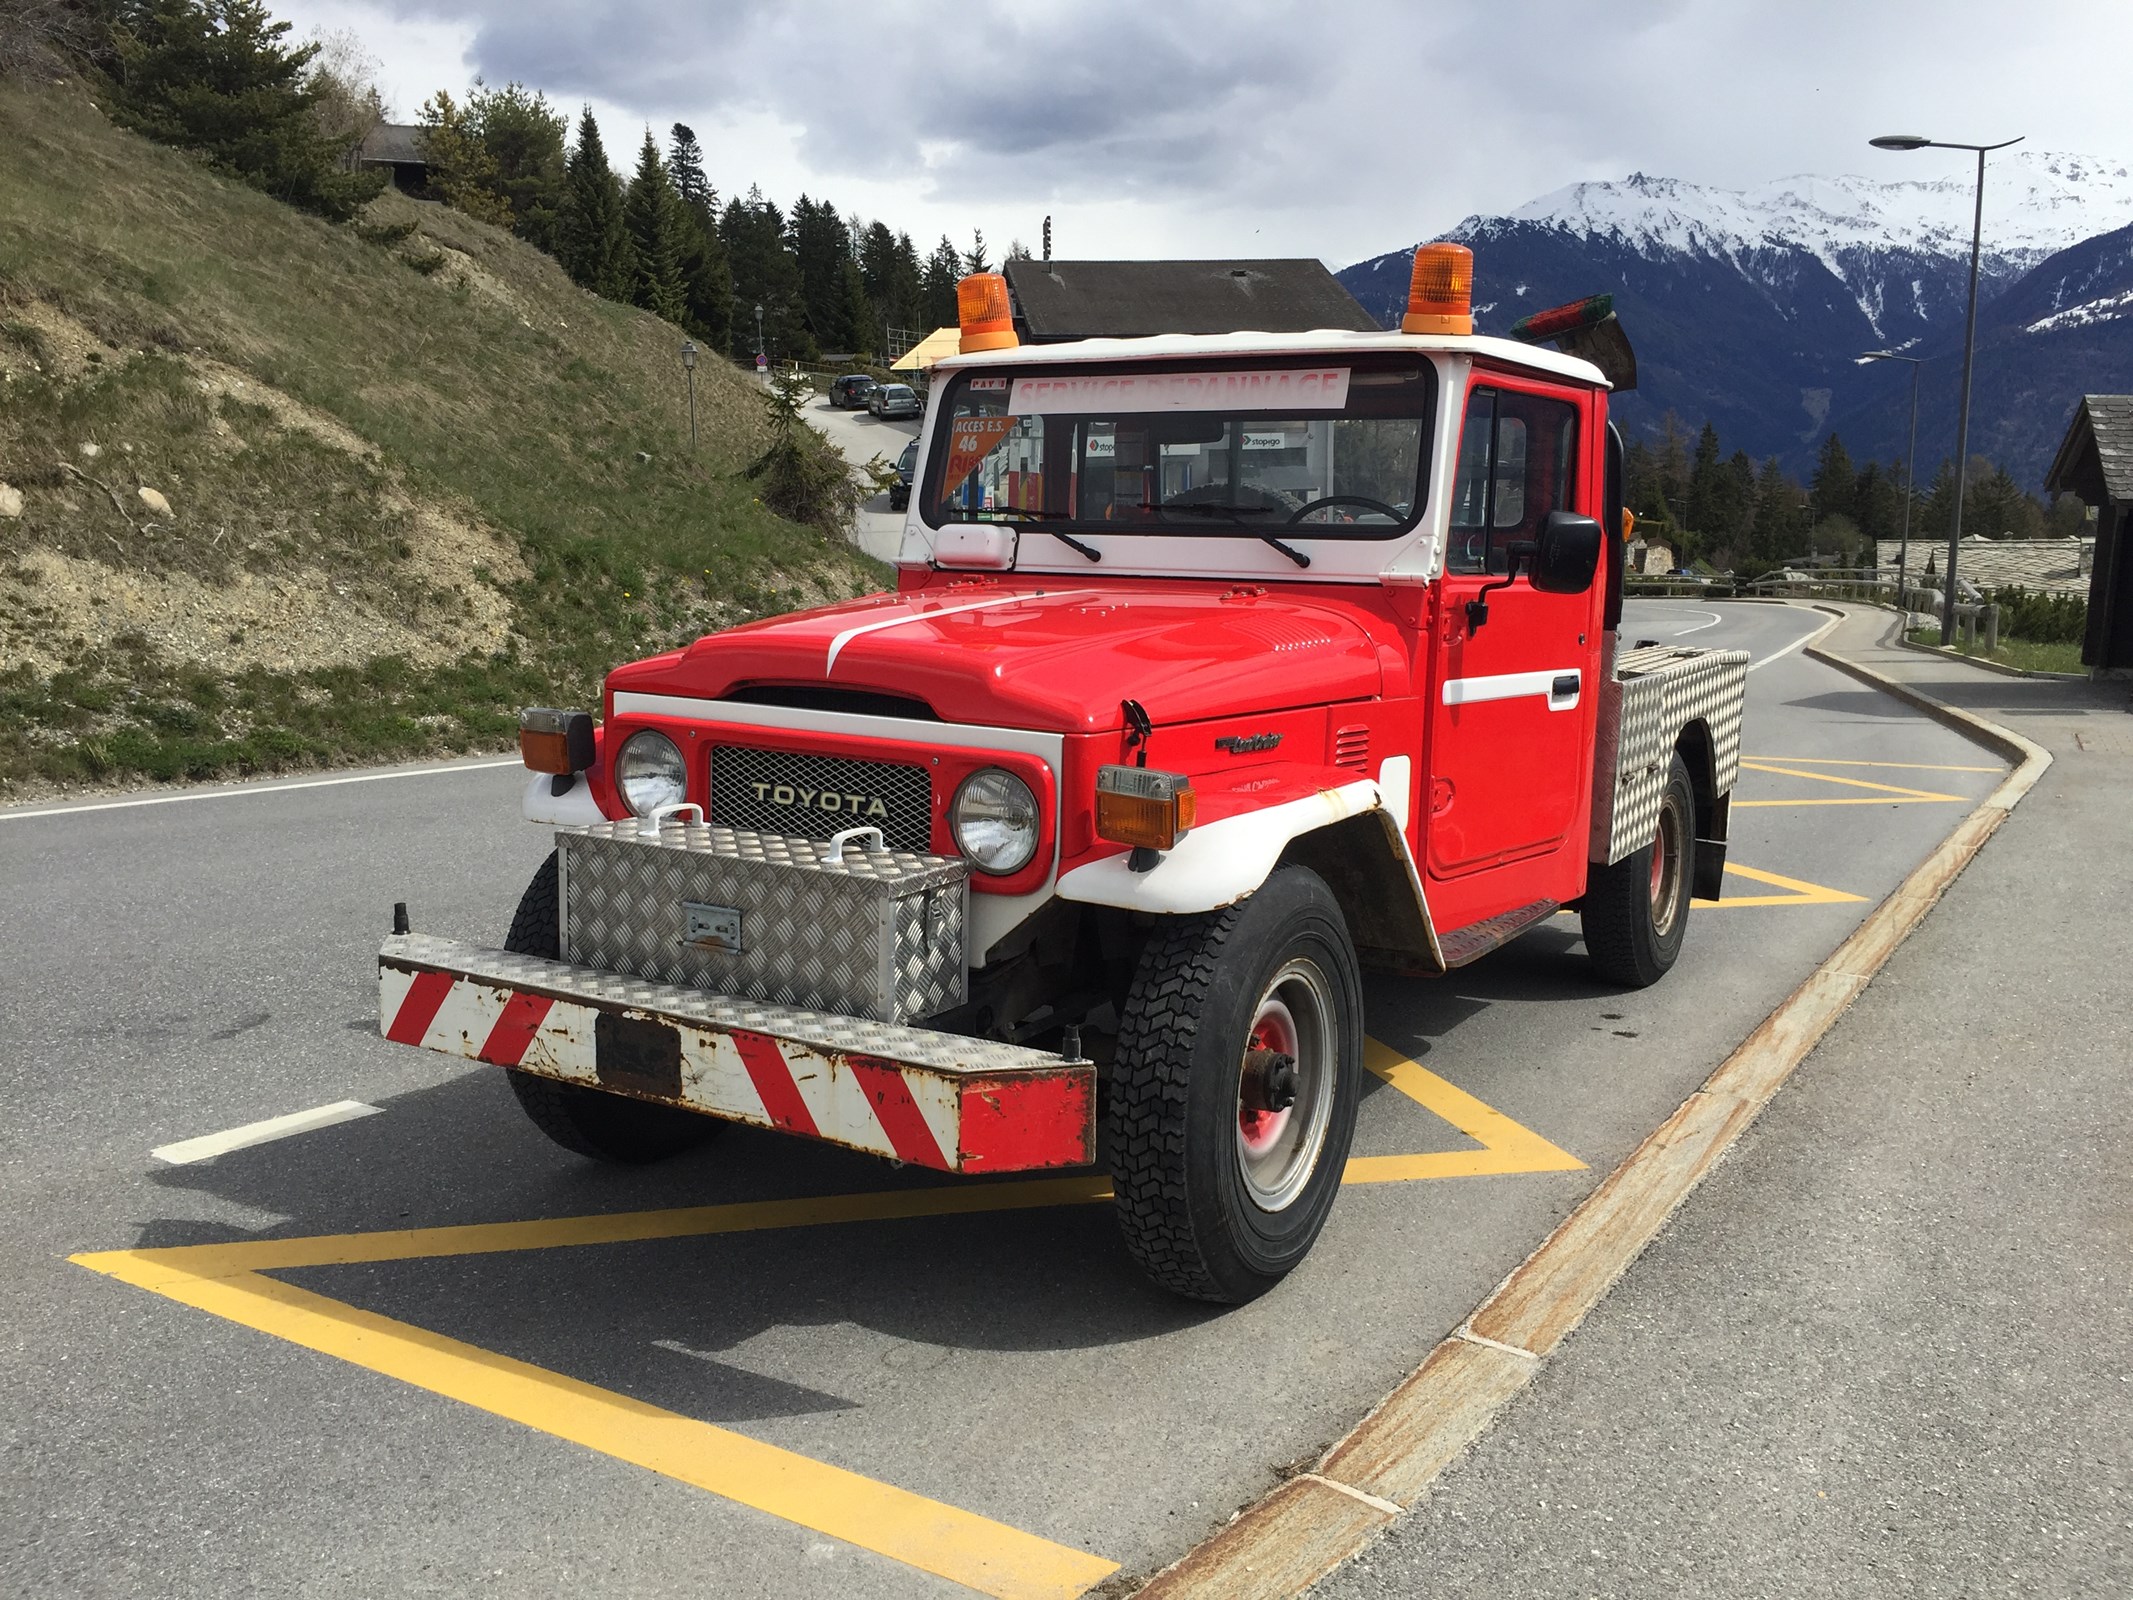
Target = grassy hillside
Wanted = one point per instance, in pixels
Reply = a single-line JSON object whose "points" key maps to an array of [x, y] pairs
{"points": [[410, 476]]}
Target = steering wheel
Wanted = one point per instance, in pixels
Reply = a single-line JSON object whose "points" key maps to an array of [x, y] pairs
{"points": [[1393, 512]]}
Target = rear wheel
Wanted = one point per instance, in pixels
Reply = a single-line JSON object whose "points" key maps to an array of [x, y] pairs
{"points": [[1636, 912], [1234, 1089], [589, 1122]]}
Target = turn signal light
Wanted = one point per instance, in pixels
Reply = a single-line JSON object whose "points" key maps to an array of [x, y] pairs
{"points": [[560, 742], [1146, 809], [982, 308], [1440, 295]]}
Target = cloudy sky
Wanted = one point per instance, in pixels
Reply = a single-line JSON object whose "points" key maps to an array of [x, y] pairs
{"points": [[1335, 129]]}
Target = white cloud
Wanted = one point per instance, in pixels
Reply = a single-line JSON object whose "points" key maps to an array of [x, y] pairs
{"points": [[1219, 127]]}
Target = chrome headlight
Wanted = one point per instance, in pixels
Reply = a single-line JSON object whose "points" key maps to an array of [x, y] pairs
{"points": [[994, 820], [649, 773]]}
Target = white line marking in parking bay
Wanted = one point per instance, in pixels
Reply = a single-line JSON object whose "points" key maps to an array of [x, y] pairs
{"points": [[209, 1145]]}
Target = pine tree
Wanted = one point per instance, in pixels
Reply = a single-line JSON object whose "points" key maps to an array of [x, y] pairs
{"points": [[461, 169], [764, 274], [822, 248], [213, 77], [1732, 504], [685, 161], [1703, 514], [1834, 489], [706, 273], [522, 135], [975, 261], [943, 270], [1780, 516], [594, 240], [654, 215]]}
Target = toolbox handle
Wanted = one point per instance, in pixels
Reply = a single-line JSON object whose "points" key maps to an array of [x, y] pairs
{"points": [[659, 814], [838, 841]]}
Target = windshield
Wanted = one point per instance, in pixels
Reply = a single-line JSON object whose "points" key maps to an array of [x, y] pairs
{"points": [[1323, 449]]}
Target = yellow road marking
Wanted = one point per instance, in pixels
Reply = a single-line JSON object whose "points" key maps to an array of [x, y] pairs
{"points": [[1849, 783], [1892, 766], [1800, 892], [226, 1280], [975, 1551], [1506, 1146]]}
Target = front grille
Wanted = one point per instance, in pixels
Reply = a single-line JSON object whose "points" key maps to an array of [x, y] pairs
{"points": [[811, 797]]}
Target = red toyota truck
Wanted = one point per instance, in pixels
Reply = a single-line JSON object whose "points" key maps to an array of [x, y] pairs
{"points": [[1219, 669]]}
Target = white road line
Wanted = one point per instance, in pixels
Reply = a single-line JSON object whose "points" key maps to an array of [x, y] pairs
{"points": [[216, 1144], [1800, 643], [1716, 619], [255, 788]]}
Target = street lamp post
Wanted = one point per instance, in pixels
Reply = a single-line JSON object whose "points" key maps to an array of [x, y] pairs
{"points": [[1913, 141], [688, 365], [1910, 475], [762, 358]]}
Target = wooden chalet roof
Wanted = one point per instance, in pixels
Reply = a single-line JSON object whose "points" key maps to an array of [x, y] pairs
{"points": [[2095, 459]]}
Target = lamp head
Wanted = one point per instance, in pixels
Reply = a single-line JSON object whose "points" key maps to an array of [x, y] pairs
{"points": [[1900, 141]]}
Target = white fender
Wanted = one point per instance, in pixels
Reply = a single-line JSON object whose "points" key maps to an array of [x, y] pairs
{"points": [[577, 808], [1221, 862]]}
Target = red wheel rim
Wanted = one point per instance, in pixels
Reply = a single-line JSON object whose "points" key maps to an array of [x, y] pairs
{"points": [[1278, 1150]]}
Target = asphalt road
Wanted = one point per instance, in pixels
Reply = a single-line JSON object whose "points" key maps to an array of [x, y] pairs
{"points": [[179, 969], [862, 436]]}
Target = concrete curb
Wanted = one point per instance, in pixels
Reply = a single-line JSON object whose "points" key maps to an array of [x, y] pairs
{"points": [[1384, 1467]]}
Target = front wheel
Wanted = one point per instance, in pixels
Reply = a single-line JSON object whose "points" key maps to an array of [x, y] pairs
{"points": [[1234, 1089], [589, 1122], [1636, 912]]}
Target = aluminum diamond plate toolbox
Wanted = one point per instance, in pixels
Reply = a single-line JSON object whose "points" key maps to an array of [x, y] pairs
{"points": [[762, 916], [1655, 693]]}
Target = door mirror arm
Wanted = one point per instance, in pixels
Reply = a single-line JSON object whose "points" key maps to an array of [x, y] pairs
{"points": [[1516, 554]]}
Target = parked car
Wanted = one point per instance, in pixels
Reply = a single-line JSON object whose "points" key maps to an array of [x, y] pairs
{"points": [[850, 392], [895, 400], [906, 464]]}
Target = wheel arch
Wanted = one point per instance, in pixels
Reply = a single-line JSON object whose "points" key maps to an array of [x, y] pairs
{"points": [[1698, 748], [1365, 861]]}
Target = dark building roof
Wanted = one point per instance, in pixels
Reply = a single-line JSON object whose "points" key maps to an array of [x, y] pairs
{"points": [[395, 144], [2095, 459], [1132, 299]]}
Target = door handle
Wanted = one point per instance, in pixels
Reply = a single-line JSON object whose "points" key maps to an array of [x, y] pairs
{"points": [[1566, 683]]}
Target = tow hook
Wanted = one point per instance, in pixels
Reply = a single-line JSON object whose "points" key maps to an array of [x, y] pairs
{"points": [[1269, 1080]]}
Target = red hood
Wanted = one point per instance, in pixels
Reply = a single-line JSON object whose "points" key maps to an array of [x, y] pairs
{"points": [[1059, 659]]}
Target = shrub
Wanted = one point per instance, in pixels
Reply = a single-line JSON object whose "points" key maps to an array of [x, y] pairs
{"points": [[2040, 618]]}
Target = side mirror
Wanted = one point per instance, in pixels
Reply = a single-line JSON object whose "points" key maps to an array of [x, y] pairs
{"points": [[1567, 553]]}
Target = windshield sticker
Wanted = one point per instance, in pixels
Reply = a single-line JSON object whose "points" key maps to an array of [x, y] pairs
{"points": [[987, 385], [1288, 389], [971, 440]]}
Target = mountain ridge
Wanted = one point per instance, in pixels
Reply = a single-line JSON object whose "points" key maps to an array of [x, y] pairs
{"points": [[1749, 307]]}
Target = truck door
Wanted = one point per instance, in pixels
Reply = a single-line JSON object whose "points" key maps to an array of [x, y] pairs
{"points": [[1511, 700]]}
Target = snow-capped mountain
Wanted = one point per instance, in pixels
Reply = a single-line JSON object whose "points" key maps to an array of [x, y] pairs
{"points": [[1748, 306]]}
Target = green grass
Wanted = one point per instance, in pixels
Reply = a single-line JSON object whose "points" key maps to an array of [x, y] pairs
{"points": [[2025, 654], [491, 386]]}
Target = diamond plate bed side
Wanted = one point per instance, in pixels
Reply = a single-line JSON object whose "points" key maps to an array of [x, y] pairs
{"points": [[1662, 690]]}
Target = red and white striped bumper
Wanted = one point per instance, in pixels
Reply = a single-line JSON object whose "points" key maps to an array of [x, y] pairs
{"points": [[932, 1099]]}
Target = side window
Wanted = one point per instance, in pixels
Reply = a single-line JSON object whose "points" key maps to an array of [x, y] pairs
{"points": [[1517, 463]]}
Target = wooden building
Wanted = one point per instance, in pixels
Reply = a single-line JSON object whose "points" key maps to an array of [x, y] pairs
{"points": [[2095, 462]]}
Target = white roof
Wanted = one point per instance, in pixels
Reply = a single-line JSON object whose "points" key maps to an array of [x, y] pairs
{"points": [[1321, 341]]}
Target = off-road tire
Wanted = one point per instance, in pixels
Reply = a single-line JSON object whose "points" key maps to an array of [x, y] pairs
{"points": [[1181, 1199], [1626, 936], [589, 1122]]}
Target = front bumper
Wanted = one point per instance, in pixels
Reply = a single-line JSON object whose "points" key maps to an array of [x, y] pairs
{"points": [[932, 1099]]}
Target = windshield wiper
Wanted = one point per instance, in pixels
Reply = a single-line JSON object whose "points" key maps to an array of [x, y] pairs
{"points": [[1010, 513], [1202, 510]]}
